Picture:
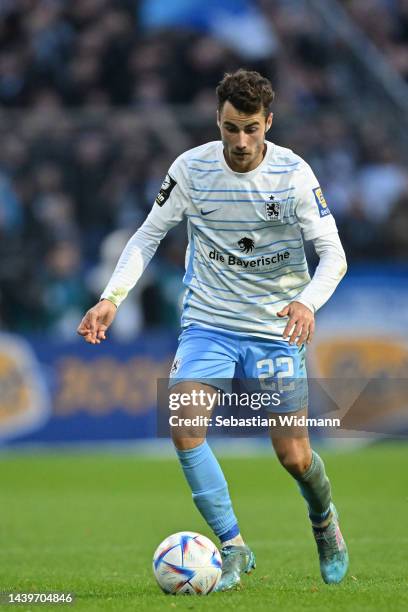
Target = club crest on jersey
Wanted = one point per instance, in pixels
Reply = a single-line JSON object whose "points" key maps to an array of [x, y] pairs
{"points": [[272, 209], [246, 245], [165, 190], [321, 202]]}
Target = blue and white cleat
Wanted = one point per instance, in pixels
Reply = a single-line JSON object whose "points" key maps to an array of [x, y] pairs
{"points": [[333, 555], [236, 560]]}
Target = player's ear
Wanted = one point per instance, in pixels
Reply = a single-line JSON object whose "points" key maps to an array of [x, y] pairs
{"points": [[269, 120], [218, 118]]}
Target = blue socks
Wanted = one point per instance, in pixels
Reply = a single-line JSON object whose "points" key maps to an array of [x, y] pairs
{"points": [[211, 496], [315, 488], [209, 489]]}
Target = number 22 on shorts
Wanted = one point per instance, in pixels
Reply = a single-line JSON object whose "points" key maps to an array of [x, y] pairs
{"points": [[268, 368]]}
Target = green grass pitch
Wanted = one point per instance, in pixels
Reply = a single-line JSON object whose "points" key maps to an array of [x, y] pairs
{"points": [[89, 523]]}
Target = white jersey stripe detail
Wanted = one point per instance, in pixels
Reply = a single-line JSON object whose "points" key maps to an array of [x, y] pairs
{"points": [[242, 191], [267, 211]]}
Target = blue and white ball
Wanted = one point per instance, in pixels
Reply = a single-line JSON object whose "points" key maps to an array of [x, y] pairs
{"points": [[187, 562]]}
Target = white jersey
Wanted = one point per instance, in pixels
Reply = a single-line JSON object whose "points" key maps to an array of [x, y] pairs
{"points": [[245, 260]]}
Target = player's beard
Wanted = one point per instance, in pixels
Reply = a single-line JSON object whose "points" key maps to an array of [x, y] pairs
{"points": [[245, 162]]}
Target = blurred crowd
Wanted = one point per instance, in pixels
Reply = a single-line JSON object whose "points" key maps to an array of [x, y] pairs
{"points": [[386, 23], [97, 98]]}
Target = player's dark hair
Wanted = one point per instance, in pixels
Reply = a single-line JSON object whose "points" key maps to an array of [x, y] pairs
{"points": [[246, 90]]}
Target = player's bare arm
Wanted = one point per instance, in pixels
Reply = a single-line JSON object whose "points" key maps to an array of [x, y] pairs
{"points": [[96, 321], [301, 324]]}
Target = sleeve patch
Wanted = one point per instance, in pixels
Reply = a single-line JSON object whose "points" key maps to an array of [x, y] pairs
{"points": [[165, 190], [321, 202]]}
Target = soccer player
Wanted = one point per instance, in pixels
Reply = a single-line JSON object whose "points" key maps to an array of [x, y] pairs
{"points": [[250, 301]]}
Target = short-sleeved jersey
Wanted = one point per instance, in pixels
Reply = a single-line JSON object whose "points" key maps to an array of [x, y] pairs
{"points": [[245, 259]]}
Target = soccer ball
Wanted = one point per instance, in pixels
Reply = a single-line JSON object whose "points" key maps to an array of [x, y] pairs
{"points": [[187, 562]]}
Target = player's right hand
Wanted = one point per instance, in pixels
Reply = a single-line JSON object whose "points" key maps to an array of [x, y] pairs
{"points": [[96, 321]]}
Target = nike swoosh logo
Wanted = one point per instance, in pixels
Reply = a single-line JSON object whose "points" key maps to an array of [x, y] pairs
{"points": [[208, 212]]}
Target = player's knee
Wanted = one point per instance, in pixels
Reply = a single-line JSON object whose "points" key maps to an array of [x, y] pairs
{"points": [[186, 442], [295, 461]]}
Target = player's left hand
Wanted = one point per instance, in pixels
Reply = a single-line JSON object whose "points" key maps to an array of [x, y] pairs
{"points": [[300, 327]]}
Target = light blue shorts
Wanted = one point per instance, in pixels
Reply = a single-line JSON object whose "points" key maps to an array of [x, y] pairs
{"points": [[217, 357]]}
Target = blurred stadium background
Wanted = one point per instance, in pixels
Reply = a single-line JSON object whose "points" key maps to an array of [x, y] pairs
{"points": [[97, 97]]}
